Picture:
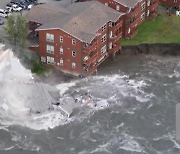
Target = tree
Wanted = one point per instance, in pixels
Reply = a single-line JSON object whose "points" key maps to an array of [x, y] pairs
{"points": [[16, 30]]}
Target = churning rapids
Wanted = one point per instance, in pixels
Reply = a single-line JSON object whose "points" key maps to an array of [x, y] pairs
{"points": [[142, 92]]}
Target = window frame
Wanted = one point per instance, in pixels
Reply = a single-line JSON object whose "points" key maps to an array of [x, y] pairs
{"points": [[73, 65], [103, 38], [73, 53], [50, 47], [73, 41], [61, 50], [48, 37], [61, 62], [50, 61], [61, 39]]}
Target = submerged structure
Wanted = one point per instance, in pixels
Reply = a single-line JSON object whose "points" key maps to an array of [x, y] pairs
{"points": [[19, 91]]}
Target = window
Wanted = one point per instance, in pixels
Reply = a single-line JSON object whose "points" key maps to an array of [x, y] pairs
{"points": [[104, 27], [106, 4], [50, 49], [175, 1], [74, 53], [73, 41], [143, 6], [110, 34], [148, 13], [50, 60], [148, 3], [49, 37], [61, 62], [61, 39], [103, 49], [43, 59], [110, 45], [73, 65], [117, 7], [103, 38], [142, 16], [61, 50]]}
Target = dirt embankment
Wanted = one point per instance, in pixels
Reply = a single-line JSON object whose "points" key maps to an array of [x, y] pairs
{"points": [[158, 49]]}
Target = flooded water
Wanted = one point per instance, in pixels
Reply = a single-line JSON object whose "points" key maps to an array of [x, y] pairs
{"points": [[142, 92]]}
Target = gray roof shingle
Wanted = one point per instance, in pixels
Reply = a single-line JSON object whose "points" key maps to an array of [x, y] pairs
{"points": [[84, 20], [128, 3], [45, 13]]}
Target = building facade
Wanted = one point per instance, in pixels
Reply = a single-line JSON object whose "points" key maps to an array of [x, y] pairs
{"points": [[174, 3], [79, 40], [136, 12]]}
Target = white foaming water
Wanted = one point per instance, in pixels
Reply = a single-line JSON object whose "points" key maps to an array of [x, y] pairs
{"points": [[18, 114], [129, 143], [12, 109], [63, 87]]}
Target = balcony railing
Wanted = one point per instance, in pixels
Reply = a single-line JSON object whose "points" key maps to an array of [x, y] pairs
{"points": [[116, 48], [133, 13], [133, 24], [113, 27], [91, 60], [115, 38], [131, 34], [153, 5], [90, 48]]}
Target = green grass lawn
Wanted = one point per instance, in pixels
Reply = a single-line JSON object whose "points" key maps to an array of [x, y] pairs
{"points": [[164, 29]]}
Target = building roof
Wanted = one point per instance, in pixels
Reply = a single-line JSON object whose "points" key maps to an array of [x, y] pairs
{"points": [[84, 20], [128, 3], [45, 13]]}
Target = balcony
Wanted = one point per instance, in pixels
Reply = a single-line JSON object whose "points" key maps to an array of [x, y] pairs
{"points": [[115, 37], [131, 34], [114, 27], [90, 48], [152, 16], [153, 6], [133, 24], [33, 44], [133, 13], [91, 60], [116, 48]]}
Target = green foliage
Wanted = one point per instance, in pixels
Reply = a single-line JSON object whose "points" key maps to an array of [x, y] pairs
{"points": [[38, 68], [164, 29], [16, 30]]}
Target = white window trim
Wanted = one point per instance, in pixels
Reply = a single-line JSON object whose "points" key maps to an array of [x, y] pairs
{"points": [[50, 49], [143, 16], [61, 51], [49, 37], [73, 65], [103, 49], [43, 59], [143, 6], [61, 39], [117, 7], [61, 62], [73, 53], [73, 42], [50, 60], [103, 38], [103, 28]]}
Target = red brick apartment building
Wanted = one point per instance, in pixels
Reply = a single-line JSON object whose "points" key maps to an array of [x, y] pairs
{"points": [[175, 3], [75, 39], [136, 12]]}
